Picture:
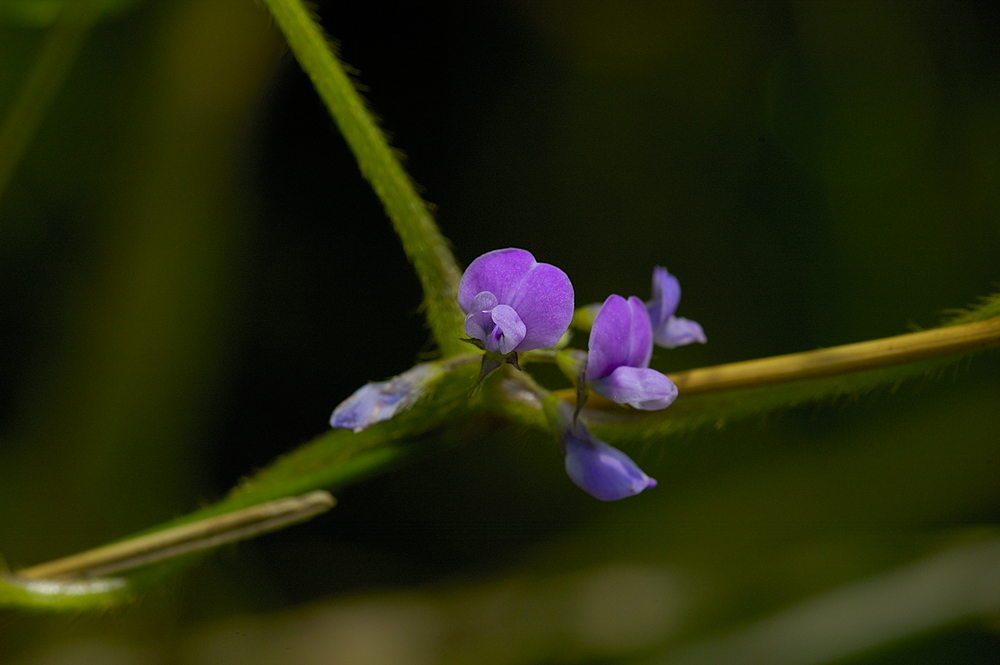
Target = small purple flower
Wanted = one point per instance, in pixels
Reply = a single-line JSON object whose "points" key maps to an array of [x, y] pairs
{"points": [[601, 471], [377, 401], [670, 331], [513, 303], [621, 345]]}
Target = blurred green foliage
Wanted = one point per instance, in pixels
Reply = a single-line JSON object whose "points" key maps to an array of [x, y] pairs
{"points": [[193, 273], [42, 13]]}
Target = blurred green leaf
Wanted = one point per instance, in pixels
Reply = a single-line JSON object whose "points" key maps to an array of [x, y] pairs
{"points": [[957, 584], [42, 13]]}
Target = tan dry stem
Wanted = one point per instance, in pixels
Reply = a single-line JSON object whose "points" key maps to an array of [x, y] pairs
{"points": [[862, 356], [187, 538]]}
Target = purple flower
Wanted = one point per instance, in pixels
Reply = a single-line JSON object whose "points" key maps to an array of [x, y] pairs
{"points": [[621, 345], [513, 303], [377, 401], [601, 471], [669, 330]]}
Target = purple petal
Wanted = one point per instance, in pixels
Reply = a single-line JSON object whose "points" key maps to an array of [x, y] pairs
{"points": [[645, 389], [621, 337], [601, 471], [509, 330], [666, 296], [640, 335], [483, 302], [678, 331], [544, 301], [479, 322], [479, 325], [608, 345], [500, 272]]}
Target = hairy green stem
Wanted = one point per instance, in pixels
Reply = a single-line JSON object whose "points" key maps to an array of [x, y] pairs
{"points": [[422, 240], [339, 457]]}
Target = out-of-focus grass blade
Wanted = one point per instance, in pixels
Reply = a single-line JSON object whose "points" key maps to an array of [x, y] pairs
{"points": [[58, 53], [194, 537], [960, 583]]}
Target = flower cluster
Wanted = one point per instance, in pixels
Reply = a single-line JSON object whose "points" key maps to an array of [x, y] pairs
{"points": [[513, 304]]}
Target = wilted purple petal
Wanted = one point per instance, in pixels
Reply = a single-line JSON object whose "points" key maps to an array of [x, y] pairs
{"points": [[678, 331], [500, 272], [621, 337], [509, 330], [670, 331], [377, 401], [363, 408], [601, 471], [666, 296], [544, 301], [644, 389]]}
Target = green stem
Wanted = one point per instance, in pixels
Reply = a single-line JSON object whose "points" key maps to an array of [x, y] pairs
{"points": [[332, 460], [177, 541], [422, 240], [338, 457]]}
